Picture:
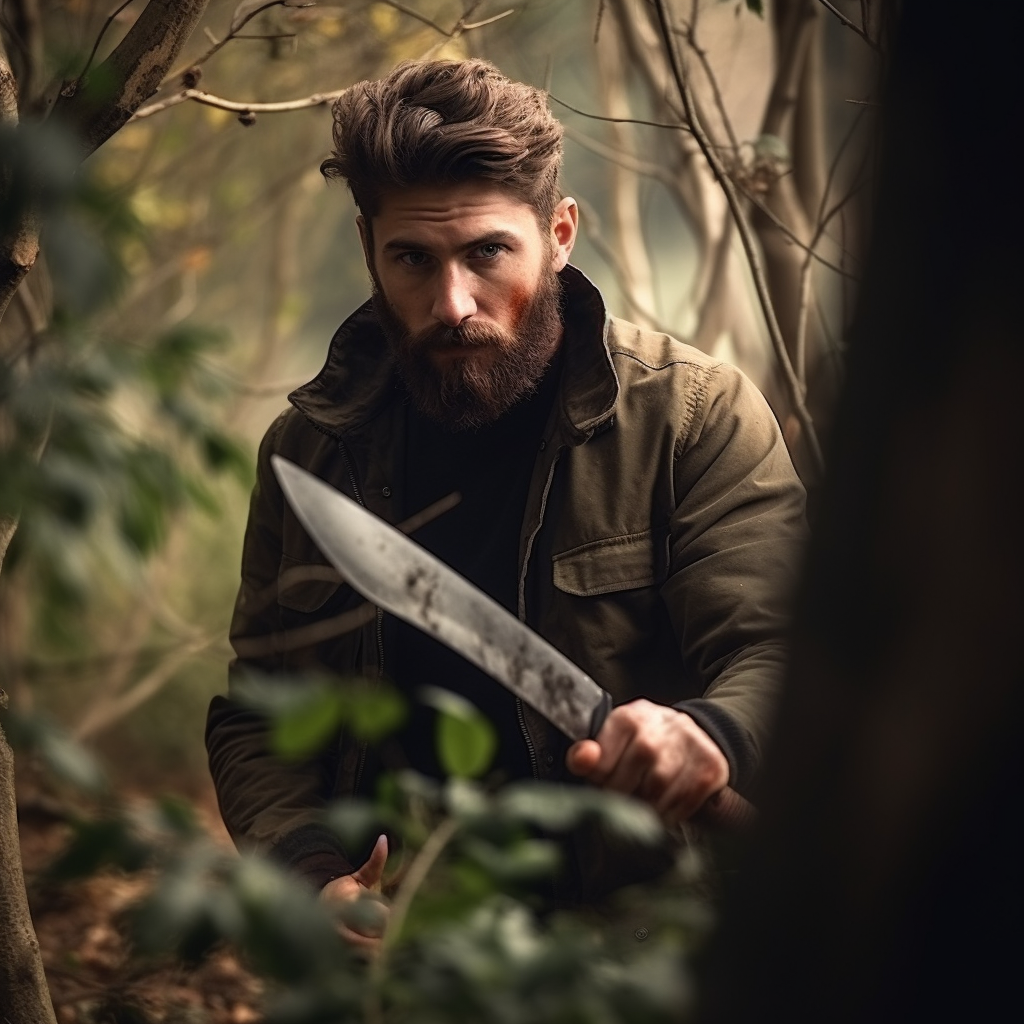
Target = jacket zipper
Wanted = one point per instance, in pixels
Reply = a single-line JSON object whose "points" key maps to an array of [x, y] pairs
{"points": [[520, 714], [357, 492]]}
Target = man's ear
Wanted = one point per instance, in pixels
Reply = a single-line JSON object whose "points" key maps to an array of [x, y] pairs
{"points": [[564, 225]]}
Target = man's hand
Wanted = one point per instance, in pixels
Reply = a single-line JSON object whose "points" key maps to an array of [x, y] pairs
{"points": [[352, 887], [655, 753]]}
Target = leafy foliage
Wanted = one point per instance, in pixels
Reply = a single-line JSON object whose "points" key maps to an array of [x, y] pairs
{"points": [[105, 437], [474, 941]]}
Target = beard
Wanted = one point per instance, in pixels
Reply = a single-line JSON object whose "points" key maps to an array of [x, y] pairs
{"points": [[468, 392]]}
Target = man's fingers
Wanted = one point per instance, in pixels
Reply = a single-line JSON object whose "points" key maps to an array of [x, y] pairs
{"points": [[582, 757], [371, 873]]}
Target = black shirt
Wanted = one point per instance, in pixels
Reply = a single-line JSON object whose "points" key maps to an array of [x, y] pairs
{"points": [[491, 469]]}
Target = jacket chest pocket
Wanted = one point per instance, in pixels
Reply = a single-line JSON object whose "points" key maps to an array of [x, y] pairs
{"points": [[607, 614], [612, 564]]}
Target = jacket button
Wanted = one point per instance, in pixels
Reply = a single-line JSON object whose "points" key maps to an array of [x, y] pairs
{"points": [[641, 934], [543, 445], [386, 491], [549, 759]]}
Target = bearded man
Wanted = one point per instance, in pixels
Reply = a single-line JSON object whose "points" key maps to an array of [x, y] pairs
{"points": [[627, 496]]}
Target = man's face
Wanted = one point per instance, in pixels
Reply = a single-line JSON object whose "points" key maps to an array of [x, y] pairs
{"points": [[466, 294]]}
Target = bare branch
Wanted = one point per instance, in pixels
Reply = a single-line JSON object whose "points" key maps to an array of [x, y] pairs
{"points": [[416, 14], [746, 237], [236, 106], [103, 715], [617, 120], [716, 92], [233, 33], [757, 201], [591, 224], [617, 156], [469, 26], [99, 38], [419, 869], [135, 70], [853, 26]]}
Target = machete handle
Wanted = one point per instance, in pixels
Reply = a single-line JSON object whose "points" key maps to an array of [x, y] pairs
{"points": [[600, 713], [725, 811]]}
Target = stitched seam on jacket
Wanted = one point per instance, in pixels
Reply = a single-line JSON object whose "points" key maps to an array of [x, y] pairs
{"points": [[592, 545]]}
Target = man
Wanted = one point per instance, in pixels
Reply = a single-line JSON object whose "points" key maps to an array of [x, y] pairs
{"points": [[627, 496]]}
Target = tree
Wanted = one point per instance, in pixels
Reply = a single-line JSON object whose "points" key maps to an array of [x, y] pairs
{"points": [[885, 885]]}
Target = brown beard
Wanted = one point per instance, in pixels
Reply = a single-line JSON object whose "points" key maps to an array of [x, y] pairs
{"points": [[462, 394]]}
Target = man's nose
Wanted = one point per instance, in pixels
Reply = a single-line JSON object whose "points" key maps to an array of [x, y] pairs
{"points": [[453, 301]]}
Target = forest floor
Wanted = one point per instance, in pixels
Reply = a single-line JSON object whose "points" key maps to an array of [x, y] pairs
{"points": [[84, 938]]}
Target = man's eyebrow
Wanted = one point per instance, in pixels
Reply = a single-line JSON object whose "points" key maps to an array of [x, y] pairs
{"points": [[500, 236]]}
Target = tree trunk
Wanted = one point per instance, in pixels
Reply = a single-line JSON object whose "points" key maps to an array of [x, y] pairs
{"points": [[24, 996], [885, 885], [98, 107]]}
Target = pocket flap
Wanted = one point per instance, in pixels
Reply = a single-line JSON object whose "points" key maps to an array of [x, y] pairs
{"points": [[604, 566], [305, 586]]}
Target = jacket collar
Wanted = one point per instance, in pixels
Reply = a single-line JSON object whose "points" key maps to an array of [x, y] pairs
{"points": [[357, 381]]}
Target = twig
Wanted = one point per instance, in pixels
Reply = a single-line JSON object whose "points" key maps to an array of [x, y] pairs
{"points": [[411, 884], [746, 237], [851, 25], [716, 92], [416, 14], [102, 716], [233, 30], [327, 574], [823, 218], [617, 120], [99, 38], [622, 158], [209, 100], [592, 228], [469, 26], [788, 231]]}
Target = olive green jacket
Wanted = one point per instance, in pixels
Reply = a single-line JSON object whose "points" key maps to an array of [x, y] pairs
{"points": [[662, 528]]}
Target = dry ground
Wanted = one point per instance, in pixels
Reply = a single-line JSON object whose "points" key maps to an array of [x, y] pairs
{"points": [[82, 933]]}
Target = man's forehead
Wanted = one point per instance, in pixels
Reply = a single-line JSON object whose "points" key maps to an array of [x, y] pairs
{"points": [[452, 212]]}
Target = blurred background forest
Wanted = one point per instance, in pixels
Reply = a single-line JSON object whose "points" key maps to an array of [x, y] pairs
{"points": [[197, 267]]}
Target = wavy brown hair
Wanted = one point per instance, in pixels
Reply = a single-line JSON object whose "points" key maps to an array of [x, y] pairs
{"points": [[445, 121]]}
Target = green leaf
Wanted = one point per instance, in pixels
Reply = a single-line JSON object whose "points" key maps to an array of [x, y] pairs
{"points": [[466, 741], [307, 727], [373, 712]]}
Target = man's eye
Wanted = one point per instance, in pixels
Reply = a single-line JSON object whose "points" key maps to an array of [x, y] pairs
{"points": [[413, 259], [489, 250]]}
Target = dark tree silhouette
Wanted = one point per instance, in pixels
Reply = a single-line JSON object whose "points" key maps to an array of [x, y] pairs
{"points": [[886, 882]]}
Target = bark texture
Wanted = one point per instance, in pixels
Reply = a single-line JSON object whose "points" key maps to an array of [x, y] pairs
{"points": [[24, 996], [104, 102], [96, 108]]}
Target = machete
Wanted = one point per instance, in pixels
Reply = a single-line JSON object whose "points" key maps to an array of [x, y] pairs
{"points": [[400, 577]]}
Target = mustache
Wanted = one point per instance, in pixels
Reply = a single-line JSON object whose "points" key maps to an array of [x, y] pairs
{"points": [[468, 335]]}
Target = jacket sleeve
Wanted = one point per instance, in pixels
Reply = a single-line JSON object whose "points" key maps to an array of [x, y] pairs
{"points": [[267, 803], [736, 541]]}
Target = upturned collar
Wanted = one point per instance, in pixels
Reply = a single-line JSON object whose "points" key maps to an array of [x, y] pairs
{"points": [[358, 380]]}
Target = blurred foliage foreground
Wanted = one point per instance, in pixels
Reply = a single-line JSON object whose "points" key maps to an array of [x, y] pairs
{"points": [[466, 940]]}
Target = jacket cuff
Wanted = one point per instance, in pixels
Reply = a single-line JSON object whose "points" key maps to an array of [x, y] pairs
{"points": [[313, 852], [730, 737]]}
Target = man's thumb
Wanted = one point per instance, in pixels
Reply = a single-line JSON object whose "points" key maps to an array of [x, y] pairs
{"points": [[371, 873]]}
